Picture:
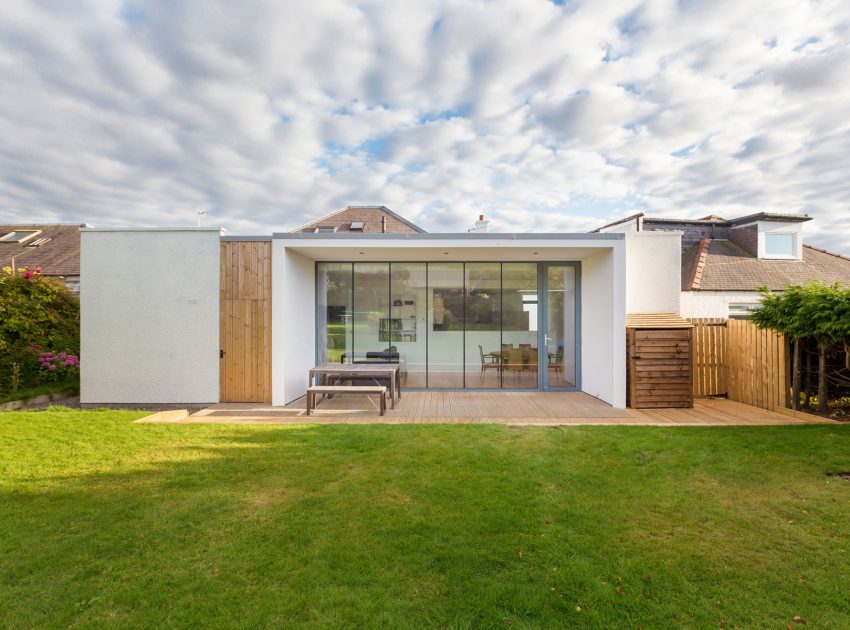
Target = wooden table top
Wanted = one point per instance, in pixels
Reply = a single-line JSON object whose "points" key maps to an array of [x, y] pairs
{"points": [[360, 368]]}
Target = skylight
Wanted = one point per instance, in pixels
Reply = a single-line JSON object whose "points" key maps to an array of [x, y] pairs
{"points": [[357, 226], [326, 228], [19, 236]]}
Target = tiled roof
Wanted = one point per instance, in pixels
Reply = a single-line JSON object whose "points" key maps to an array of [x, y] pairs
{"points": [[60, 256], [724, 266], [371, 217]]}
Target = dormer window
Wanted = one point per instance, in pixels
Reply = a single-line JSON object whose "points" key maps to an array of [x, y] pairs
{"points": [[780, 245], [19, 236]]}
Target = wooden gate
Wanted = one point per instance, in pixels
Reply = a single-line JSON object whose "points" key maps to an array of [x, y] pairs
{"points": [[246, 323], [659, 361]]}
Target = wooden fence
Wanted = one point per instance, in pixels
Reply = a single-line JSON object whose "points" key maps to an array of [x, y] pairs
{"points": [[737, 359], [709, 357]]}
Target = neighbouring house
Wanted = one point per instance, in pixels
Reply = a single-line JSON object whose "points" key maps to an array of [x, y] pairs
{"points": [[726, 261], [361, 220], [197, 316], [53, 247]]}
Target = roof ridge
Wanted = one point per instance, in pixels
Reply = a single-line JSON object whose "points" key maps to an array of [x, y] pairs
{"points": [[382, 208], [699, 264], [826, 251]]}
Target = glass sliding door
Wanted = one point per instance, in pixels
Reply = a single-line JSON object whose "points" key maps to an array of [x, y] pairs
{"points": [[483, 310], [371, 311], [406, 328], [453, 325], [519, 352], [334, 312], [445, 325], [561, 325]]}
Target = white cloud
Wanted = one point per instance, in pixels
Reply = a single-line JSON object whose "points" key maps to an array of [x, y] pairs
{"points": [[542, 116]]}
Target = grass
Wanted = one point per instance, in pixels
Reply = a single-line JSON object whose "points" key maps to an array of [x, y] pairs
{"points": [[28, 393], [104, 523]]}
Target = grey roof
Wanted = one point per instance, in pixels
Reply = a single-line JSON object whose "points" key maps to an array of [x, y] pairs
{"points": [[721, 265]]}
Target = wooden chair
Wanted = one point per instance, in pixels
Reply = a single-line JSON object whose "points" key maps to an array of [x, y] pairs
{"points": [[513, 361], [489, 361]]}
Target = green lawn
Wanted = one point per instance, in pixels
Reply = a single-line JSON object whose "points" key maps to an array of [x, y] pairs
{"points": [[108, 523]]}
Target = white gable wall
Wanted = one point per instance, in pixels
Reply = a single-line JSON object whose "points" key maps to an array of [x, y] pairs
{"points": [[653, 272], [149, 305]]}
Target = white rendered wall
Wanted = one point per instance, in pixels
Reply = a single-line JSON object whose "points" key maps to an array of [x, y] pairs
{"points": [[293, 323], [653, 272], [603, 326], [149, 302], [714, 303]]}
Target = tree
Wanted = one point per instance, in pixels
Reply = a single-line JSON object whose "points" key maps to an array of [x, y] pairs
{"points": [[815, 310]]}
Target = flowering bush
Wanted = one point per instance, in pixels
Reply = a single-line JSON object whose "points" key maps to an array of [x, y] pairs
{"points": [[60, 366], [37, 311]]}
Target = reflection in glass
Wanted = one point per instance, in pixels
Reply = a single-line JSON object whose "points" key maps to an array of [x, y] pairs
{"points": [[406, 327], [445, 332], [519, 325], [371, 309], [561, 325], [334, 311], [483, 325]]}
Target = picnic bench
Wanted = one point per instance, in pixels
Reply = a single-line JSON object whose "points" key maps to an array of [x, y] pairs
{"points": [[312, 391]]}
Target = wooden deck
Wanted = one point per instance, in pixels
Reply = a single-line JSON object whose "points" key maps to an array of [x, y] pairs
{"points": [[515, 408]]}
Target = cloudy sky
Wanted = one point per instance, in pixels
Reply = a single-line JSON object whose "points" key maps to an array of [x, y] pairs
{"points": [[542, 115]]}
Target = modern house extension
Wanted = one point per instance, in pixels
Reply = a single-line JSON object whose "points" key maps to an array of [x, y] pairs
{"points": [[198, 316]]}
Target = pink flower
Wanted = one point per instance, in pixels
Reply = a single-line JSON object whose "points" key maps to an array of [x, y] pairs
{"points": [[62, 355], [51, 367]]}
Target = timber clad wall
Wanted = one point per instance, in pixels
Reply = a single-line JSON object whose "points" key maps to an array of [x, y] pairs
{"points": [[246, 321]]}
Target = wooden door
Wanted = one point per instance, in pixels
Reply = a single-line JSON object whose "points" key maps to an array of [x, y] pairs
{"points": [[659, 368], [246, 321]]}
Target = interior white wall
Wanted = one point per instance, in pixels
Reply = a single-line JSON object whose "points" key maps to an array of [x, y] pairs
{"points": [[293, 323], [653, 272], [714, 303], [603, 326], [149, 302]]}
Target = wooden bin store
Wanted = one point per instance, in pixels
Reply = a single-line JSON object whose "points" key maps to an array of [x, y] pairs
{"points": [[658, 355]]}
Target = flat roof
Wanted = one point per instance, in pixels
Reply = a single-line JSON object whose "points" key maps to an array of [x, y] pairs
{"points": [[458, 236]]}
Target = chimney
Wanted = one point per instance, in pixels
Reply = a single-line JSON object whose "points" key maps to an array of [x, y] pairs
{"points": [[481, 224], [383, 225]]}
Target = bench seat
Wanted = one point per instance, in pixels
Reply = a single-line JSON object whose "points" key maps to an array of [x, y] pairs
{"points": [[366, 390]]}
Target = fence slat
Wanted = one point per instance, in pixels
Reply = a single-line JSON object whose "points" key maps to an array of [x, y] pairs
{"points": [[734, 358]]}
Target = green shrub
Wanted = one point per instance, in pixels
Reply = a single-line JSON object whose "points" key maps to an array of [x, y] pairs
{"points": [[39, 320]]}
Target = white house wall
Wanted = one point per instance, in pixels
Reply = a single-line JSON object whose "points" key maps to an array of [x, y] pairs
{"points": [[653, 272], [293, 322], [714, 303], [603, 327], [149, 302]]}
